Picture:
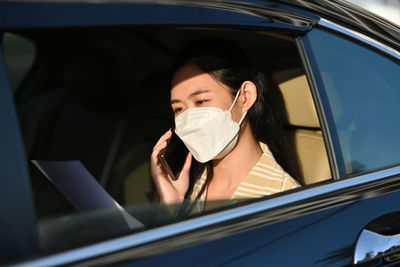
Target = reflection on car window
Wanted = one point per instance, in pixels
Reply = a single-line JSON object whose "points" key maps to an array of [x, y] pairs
{"points": [[19, 54], [362, 87], [94, 226]]}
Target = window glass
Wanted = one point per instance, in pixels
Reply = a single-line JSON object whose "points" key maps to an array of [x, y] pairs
{"points": [[363, 91], [19, 55]]}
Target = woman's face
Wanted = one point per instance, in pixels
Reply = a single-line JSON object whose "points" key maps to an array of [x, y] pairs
{"points": [[192, 88]]}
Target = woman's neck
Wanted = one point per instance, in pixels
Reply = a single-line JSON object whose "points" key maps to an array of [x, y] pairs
{"points": [[231, 170]]}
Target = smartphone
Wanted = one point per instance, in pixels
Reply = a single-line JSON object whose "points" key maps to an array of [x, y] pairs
{"points": [[173, 156]]}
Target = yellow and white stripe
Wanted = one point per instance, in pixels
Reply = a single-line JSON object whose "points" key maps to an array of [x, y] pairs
{"points": [[267, 177]]}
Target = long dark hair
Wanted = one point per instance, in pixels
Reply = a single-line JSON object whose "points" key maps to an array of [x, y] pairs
{"points": [[227, 63]]}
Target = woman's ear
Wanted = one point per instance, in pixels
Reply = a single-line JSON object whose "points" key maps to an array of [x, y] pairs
{"points": [[248, 94]]}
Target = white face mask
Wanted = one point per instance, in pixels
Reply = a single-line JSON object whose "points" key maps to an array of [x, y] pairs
{"points": [[208, 132]]}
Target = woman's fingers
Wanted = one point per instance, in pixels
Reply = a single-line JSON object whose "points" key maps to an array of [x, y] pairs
{"points": [[169, 191], [188, 163], [164, 138], [156, 150], [161, 144]]}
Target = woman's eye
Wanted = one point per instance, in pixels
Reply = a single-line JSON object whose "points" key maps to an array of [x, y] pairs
{"points": [[201, 102], [178, 110]]}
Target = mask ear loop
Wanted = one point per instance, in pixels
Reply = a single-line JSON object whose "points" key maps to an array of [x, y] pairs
{"points": [[233, 104], [234, 101], [243, 117]]}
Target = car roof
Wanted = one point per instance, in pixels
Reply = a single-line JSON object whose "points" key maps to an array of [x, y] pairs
{"points": [[304, 13]]}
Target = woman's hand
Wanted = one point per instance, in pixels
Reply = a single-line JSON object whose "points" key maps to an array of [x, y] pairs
{"points": [[169, 191]]}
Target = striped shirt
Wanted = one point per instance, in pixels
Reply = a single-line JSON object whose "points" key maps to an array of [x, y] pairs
{"points": [[267, 177]]}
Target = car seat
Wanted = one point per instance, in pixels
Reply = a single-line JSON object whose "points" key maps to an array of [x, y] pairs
{"points": [[303, 125]]}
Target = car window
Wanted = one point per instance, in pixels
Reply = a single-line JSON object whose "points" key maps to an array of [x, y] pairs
{"points": [[362, 88], [100, 98], [19, 56]]}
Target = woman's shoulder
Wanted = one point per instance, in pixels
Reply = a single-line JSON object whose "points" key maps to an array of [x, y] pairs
{"points": [[268, 162], [289, 182], [267, 159]]}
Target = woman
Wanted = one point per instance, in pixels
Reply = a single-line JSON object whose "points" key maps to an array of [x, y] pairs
{"points": [[224, 113]]}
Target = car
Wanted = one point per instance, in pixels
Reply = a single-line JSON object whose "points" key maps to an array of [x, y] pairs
{"points": [[89, 81]]}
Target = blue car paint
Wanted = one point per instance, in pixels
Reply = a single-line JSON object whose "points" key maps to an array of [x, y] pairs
{"points": [[326, 238]]}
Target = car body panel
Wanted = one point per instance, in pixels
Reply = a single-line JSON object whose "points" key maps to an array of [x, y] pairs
{"points": [[325, 238]]}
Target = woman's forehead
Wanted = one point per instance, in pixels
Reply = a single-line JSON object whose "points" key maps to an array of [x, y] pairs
{"points": [[185, 73], [190, 79]]}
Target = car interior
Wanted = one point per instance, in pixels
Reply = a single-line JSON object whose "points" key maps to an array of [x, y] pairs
{"points": [[101, 96]]}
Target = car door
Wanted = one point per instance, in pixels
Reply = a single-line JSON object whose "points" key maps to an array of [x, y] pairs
{"points": [[316, 225]]}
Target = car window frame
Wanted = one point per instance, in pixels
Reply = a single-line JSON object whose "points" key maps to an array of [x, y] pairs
{"points": [[97, 14], [19, 234], [323, 110]]}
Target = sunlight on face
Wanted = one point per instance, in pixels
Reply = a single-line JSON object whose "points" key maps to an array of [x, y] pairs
{"points": [[192, 87]]}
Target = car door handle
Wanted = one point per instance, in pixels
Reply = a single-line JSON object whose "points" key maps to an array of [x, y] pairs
{"points": [[371, 246]]}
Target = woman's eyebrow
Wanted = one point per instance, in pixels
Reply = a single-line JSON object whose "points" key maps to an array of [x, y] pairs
{"points": [[173, 101], [195, 93], [198, 92]]}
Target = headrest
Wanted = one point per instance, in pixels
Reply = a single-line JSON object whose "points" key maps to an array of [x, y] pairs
{"points": [[299, 104]]}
